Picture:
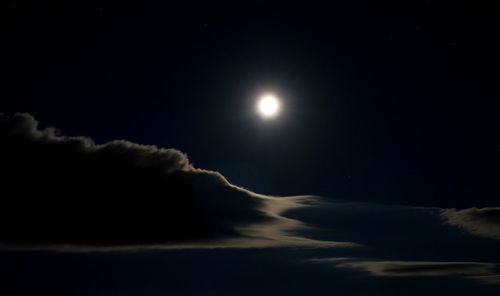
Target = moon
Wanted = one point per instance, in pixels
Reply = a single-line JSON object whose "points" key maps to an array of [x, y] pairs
{"points": [[268, 106]]}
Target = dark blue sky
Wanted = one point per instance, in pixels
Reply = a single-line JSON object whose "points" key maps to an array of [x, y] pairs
{"points": [[392, 102]]}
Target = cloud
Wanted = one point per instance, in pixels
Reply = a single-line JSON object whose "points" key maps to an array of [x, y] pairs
{"points": [[67, 191], [413, 242], [488, 279], [71, 194], [420, 268], [484, 222], [481, 271]]}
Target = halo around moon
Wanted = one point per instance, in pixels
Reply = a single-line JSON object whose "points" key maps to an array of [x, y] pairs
{"points": [[268, 106]]}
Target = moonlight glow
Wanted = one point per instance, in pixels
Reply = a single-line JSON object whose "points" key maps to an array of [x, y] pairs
{"points": [[268, 106]]}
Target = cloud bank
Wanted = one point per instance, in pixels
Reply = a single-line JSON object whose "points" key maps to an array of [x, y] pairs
{"points": [[68, 193], [60, 190]]}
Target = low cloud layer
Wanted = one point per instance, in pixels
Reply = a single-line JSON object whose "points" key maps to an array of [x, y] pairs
{"points": [[60, 190], [483, 222], [70, 194]]}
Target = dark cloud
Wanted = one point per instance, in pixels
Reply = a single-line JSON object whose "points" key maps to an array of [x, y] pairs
{"points": [[484, 222], [69, 190], [68, 193]]}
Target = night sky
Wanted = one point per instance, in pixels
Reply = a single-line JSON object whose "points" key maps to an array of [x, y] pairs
{"points": [[396, 102], [381, 168]]}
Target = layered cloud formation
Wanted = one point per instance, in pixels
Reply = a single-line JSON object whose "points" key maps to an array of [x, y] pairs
{"points": [[69, 190], [69, 193]]}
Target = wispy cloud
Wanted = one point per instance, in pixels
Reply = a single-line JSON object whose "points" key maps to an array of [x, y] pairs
{"points": [[481, 271], [484, 222]]}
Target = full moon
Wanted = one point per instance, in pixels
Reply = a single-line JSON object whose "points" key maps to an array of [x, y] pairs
{"points": [[268, 106]]}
